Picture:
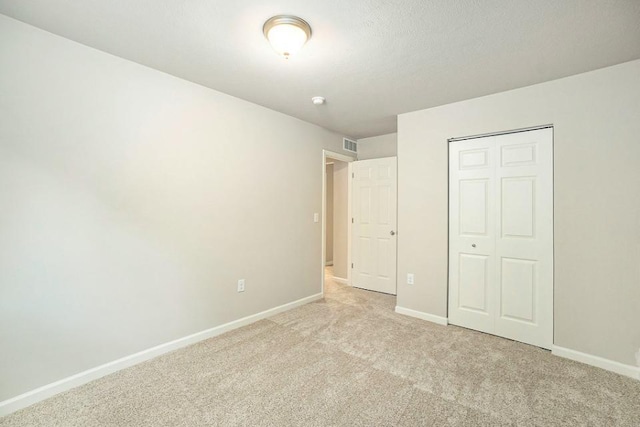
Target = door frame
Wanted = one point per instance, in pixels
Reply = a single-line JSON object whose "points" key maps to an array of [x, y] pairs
{"points": [[327, 154], [553, 210]]}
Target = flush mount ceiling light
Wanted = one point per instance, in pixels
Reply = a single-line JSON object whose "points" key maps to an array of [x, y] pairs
{"points": [[286, 33]]}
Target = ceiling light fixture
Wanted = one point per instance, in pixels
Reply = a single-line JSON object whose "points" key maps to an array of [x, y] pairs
{"points": [[286, 33]]}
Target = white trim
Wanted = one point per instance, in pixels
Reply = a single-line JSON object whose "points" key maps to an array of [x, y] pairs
{"points": [[29, 398], [340, 280], [337, 156], [349, 216], [421, 315], [598, 362], [504, 132], [326, 154]]}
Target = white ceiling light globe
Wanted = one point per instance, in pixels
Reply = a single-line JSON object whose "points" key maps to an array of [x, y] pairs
{"points": [[287, 39], [287, 34]]}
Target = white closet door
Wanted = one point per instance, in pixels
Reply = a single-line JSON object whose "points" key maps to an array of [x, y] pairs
{"points": [[472, 227], [504, 284], [524, 238], [374, 201]]}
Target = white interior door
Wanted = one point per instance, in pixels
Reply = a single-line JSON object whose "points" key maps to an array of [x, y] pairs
{"points": [[374, 211], [501, 235], [472, 245]]}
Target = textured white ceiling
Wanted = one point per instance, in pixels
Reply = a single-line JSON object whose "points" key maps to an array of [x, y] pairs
{"points": [[371, 59]]}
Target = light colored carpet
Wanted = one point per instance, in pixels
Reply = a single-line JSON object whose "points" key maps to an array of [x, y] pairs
{"points": [[348, 360]]}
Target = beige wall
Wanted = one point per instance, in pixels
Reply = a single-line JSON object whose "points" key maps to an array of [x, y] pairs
{"points": [[378, 147], [596, 118], [133, 201], [328, 255], [340, 219]]}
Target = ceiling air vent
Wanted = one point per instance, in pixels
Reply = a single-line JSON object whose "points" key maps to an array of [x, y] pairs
{"points": [[349, 145]]}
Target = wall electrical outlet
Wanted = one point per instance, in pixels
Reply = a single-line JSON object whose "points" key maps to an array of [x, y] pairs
{"points": [[409, 278], [316, 217], [241, 285]]}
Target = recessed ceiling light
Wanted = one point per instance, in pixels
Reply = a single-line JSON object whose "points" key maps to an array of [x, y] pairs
{"points": [[318, 100], [286, 33]]}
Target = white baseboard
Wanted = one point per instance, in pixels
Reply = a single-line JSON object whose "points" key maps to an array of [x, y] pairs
{"points": [[328, 263], [29, 398], [599, 362], [421, 315], [340, 280]]}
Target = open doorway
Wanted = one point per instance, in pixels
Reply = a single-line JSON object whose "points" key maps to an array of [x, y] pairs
{"points": [[336, 205]]}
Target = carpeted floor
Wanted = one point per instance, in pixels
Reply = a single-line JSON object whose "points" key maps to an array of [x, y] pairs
{"points": [[348, 360]]}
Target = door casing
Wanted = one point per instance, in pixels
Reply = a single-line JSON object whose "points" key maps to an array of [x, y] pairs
{"points": [[326, 154]]}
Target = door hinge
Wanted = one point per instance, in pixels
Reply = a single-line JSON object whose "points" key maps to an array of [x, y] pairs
{"points": [[351, 220], [351, 265], [353, 174]]}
